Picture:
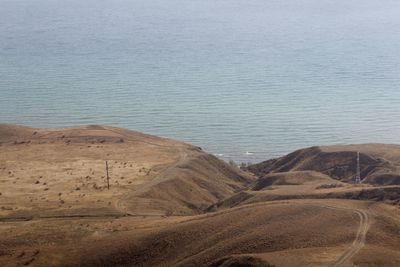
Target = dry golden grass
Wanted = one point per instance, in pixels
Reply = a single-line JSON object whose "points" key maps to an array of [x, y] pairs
{"points": [[171, 204], [62, 172]]}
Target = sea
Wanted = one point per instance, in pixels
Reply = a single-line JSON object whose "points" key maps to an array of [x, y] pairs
{"points": [[246, 80]]}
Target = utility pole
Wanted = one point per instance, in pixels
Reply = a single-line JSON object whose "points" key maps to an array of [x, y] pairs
{"points": [[358, 172], [108, 178]]}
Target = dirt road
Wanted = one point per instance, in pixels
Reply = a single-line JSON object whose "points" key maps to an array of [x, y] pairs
{"points": [[358, 242]]}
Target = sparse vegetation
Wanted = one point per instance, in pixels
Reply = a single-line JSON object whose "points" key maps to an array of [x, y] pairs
{"points": [[326, 186], [184, 203]]}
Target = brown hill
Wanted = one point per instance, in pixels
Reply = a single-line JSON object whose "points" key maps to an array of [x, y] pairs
{"points": [[62, 172], [290, 233], [293, 178], [171, 204], [324, 173], [379, 164]]}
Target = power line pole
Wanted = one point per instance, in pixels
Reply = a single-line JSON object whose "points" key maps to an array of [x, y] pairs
{"points": [[358, 172], [108, 178]]}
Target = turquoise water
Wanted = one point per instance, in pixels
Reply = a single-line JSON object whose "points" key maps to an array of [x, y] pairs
{"points": [[247, 80]]}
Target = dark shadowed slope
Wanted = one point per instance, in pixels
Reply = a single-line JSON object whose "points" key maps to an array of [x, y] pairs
{"points": [[379, 164]]}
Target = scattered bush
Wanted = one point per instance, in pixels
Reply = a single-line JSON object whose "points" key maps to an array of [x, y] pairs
{"points": [[326, 186]]}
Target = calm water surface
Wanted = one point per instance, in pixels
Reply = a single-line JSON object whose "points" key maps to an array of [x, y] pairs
{"points": [[247, 80]]}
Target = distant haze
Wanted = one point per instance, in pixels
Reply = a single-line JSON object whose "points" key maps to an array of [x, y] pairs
{"points": [[247, 80]]}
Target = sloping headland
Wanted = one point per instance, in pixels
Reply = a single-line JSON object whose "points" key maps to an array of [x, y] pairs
{"points": [[167, 203]]}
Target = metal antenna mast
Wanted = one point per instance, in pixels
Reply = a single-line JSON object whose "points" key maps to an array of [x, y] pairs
{"points": [[358, 172]]}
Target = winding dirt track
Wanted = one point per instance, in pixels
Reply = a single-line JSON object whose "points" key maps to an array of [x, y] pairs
{"points": [[358, 242]]}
